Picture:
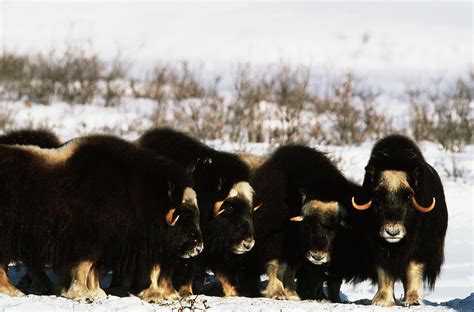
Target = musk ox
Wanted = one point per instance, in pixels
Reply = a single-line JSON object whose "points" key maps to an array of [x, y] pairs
{"points": [[225, 200], [303, 198], [92, 199], [404, 196]]}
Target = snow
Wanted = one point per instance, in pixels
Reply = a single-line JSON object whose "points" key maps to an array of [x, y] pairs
{"points": [[454, 288]]}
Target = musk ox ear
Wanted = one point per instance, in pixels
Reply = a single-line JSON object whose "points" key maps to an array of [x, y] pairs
{"points": [[369, 178], [304, 195], [193, 165], [171, 188], [424, 179], [362, 199]]}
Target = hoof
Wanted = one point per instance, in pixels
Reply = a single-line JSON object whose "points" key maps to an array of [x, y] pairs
{"points": [[412, 298], [382, 299], [151, 295], [291, 294]]}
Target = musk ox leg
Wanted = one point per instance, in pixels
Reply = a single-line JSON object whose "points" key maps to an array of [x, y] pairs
{"points": [[40, 283], [6, 287], [166, 285], [289, 283], [227, 286], [384, 296], [334, 288], [152, 294], [413, 284], [94, 285], [78, 288], [186, 289], [275, 288]]}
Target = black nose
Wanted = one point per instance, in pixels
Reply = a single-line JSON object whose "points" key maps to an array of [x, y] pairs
{"points": [[392, 231]]}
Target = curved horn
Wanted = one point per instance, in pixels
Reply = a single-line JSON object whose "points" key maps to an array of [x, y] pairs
{"points": [[217, 208], [257, 207], [169, 217], [361, 207], [297, 219], [421, 208]]}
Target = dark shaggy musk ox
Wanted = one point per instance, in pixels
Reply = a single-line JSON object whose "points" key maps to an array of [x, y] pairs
{"points": [[38, 137], [405, 198], [303, 198], [43, 138], [225, 200], [90, 200]]}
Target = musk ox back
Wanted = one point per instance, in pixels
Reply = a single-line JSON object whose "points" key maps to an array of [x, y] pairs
{"points": [[39, 137], [225, 200], [67, 206], [405, 199]]}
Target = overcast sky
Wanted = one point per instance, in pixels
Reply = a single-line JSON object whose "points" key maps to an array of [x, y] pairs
{"points": [[384, 36]]}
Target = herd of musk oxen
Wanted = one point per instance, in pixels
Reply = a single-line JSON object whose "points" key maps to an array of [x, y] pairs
{"points": [[163, 210]]}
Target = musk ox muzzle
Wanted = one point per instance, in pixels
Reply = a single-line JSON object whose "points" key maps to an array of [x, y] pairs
{"points": [[193, 252], [318, 257], [244, 246], [392, 232]]}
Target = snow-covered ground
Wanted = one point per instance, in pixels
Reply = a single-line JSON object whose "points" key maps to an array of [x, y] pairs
{"points": [[455, 286]]}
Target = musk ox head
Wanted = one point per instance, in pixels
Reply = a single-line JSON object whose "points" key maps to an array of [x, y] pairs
{"points": [[317, 229], [182, 226], [396, 198], [232, 224]]}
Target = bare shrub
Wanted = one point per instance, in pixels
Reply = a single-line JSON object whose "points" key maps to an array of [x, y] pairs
{"points": [[186, 83], [352, 110], [291, 94], [15, 75], [244, 116], [79, 72], [5, 117], [205, 117], [157, 89], [114, 79], [444, 116]]}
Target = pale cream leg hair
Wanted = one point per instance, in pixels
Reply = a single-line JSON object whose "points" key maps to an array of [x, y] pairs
{"points": [[227, 287], [414, 284], [78, 288], [186, 290], [289, 283], [165, 284], [152, 294], [384, 296], [275, 288], [93, 283]]}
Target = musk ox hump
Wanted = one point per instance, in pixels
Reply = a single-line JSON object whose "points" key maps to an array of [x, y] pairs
{"points": [[189, 196], [242, 190], [316, 206], [52, 156]]}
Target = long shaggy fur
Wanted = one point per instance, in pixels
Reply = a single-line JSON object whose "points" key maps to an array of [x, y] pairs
{"points": [[215, 174], [426, 232], [94, 198], [293, 175]]}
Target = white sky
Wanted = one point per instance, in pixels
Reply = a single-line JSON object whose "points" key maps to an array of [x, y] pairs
{"points": [[405, 36]]}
